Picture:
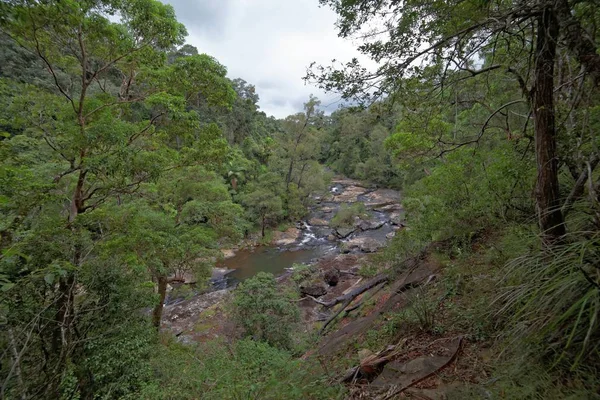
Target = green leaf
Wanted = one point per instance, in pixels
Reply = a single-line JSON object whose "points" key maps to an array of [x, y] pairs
{"points": [[49, 278], [7, 286]]}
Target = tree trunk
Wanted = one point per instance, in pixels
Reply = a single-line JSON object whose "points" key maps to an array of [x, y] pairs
{"points": [[547, 188], [288, 178], [301, 174], [158, 308], [263, 225]]}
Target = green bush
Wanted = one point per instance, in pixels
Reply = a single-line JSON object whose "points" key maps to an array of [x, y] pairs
{"points": [[243, 370], [468, 193], [553, 297], [346, 214], [264, 312], [302, 272]]}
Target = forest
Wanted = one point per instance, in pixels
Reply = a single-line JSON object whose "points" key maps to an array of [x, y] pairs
{"points": [[437, 237]]}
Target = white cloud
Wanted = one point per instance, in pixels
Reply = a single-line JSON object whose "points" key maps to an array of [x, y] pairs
{"points": [[268, 43]]}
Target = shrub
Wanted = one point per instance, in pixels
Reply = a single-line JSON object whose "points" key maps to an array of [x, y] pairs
{"points": [[346, 214], [554, 298], [263, 312], [243, 370], [424, 308]]}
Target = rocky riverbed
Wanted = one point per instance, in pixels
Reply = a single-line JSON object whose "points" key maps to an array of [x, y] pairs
{"points": [[333, 251]]}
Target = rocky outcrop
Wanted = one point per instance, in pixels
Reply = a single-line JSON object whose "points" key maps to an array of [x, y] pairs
{"points": [[350, 194], [370, 225], [318, 222], [381, 198], [286, 238], [344, 232], [363, 244], [182, 316]]}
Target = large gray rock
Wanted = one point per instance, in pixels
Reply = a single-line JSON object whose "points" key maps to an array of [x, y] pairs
{"points": [[364, 244], [318, 222], [344, 232], [370, 225]]}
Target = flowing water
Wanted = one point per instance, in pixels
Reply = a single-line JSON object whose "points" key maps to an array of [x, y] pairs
{"points": [[312, 244]]}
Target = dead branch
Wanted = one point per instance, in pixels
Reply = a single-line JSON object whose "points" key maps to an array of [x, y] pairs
{"points": [[349, 297]]}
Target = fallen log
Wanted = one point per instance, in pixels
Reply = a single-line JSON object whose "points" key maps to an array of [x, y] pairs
{"points": [[372, 364], [349, 297], [355, 292], [360, 303]]}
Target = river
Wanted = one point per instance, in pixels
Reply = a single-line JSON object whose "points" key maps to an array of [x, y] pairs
{"points": [[313, 238]]}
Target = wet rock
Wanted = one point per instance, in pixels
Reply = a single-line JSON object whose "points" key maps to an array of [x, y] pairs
{"points": [[287, 237], [364, 244], [389, 208], [314, 290], [381, 198], [220, 273], [344, 248], [318, 222], [370, 225], [344, 232], [397, 218], [331, 237], [350, 194], [331, 277]]}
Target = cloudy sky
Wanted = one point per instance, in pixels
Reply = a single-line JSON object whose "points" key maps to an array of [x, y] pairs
{"points": [[268, 43]]}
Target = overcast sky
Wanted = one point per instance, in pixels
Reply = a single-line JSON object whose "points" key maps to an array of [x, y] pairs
{"points": [[268, 43]]}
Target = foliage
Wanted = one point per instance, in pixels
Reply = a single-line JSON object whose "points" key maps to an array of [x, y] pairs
{"points": [[245, 369], [347, 214], [302, 272], [554, 299], [264, 312]]}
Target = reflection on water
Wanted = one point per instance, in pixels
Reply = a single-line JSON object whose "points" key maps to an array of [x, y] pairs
{"points": [[249, 262]]}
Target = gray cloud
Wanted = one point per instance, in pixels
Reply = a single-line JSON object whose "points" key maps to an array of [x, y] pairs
{"points": [[208, 17], [268, 43]]}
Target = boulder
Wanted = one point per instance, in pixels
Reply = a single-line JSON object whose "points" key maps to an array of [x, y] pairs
{"points": [[331, 237], [381, 198], [397, 218], [370, 225], [390, 235], [344, 232], [318, 222], [331, 277], [286, 238], [364, 244], [314, 289]]}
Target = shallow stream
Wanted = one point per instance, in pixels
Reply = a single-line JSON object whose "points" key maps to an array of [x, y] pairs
{"points": [[317, 240]]}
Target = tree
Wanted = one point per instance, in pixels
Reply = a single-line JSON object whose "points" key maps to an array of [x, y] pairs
{"points": [[299, 143], [450, 35], [263, 312], [262, 201], [102, 128]]}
